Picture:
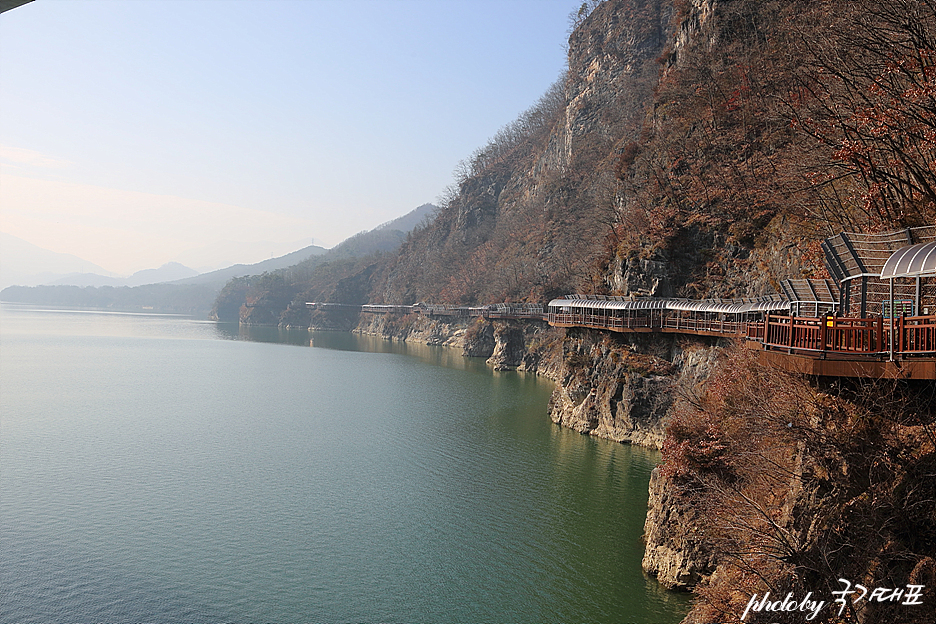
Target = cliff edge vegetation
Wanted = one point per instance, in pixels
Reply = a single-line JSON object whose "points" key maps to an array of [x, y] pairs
{"points": [[782, 485]]}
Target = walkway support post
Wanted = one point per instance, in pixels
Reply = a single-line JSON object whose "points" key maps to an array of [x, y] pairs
{"points": [[891, 319]]}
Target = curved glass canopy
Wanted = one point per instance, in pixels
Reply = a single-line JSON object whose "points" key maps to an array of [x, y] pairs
{"points": [[911, 261]]}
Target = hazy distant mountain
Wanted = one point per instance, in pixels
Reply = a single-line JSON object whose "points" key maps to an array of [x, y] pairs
{"points": [[318, 273], [222, 254], [193, 294], [386, 237], [25, 264], [410, 220], [169, 272], [221, 276], [152, 292], [166, 273], [86, 279]]}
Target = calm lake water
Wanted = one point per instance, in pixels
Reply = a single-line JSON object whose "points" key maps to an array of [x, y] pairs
{"points": [[160, 469]]}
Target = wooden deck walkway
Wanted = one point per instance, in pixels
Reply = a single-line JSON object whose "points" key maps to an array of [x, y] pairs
{"points": [[829, 346], [826, 346]]}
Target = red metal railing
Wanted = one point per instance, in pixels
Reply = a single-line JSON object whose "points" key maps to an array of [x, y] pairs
{"points": [[850, 338], [754, 330], [831, 335], [916, 334], [847, 335], [839, 335]]}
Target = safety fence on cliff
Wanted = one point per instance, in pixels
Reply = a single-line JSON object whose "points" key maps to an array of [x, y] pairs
{"points": [[761, 321]]}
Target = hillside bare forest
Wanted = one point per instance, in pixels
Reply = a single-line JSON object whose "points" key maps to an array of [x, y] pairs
{"points": [[705, 148], [693, 148]]}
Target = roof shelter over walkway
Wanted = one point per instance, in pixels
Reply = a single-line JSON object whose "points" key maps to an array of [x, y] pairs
{"points": [[914, 262], [911, 261], [856, 261], [811, 297]]}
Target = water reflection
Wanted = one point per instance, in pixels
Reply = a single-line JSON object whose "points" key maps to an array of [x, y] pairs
{"points": [[263, 333]]}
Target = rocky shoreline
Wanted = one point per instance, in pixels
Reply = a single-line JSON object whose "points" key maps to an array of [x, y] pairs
{"points": [[613, 386]]}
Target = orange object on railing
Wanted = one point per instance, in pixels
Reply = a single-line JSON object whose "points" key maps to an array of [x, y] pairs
{"points": [[848, 335]]}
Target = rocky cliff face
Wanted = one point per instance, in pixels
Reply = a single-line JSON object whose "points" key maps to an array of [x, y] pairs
{"points": [[676, 553], [612, 72], [773, 483], [506, 344], [621, 386], [433, 331]]}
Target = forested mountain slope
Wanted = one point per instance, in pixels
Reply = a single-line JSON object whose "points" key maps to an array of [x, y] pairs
{"points": [[278, 295], [695, 148]]}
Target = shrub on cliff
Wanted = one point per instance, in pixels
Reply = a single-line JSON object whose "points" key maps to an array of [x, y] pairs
{"points": [[712, 427], [798, 485]]}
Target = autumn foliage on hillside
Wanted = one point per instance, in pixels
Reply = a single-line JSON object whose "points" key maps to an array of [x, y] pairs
{"points": [[781, 124], [868, 94]]}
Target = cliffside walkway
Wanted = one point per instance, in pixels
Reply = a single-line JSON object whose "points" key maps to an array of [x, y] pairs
{"points": [[814, 326], [903, 347], [876, 347]]}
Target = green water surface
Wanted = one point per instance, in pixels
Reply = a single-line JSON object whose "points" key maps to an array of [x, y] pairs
{"points": [[156, 468]]}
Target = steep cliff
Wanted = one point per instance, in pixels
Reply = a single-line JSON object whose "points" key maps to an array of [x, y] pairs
{"points": [[772, 483], [530, 212], [621, 386], [677, 553]]}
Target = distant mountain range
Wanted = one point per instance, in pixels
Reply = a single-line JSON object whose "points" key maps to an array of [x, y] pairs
{"points": [[168, 272], [30, 274], [26, 264], [385, 237], [226, 253], [221, 276]]}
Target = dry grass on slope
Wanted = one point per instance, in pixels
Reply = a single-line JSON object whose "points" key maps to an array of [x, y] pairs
{"points": [[799, 485]]}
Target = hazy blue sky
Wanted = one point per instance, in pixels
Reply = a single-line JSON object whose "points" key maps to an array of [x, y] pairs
{"points": [[134, 132]]}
